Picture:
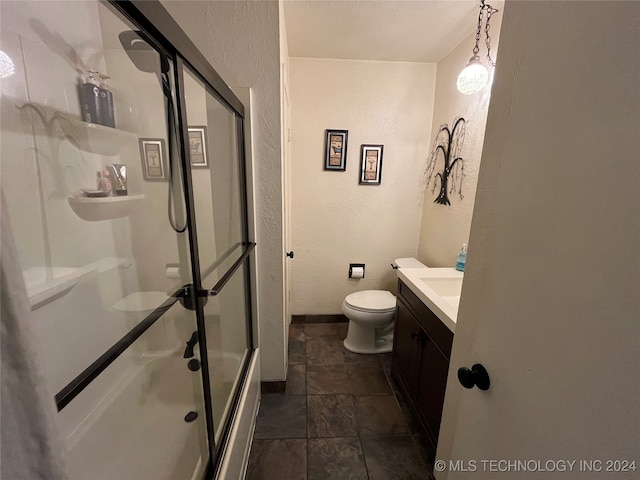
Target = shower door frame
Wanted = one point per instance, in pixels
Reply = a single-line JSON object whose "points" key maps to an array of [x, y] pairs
{"points": [[151, 17], [155, 20]]}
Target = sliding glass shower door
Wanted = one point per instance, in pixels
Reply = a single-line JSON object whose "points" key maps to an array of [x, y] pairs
{"points": [[217, 177], [86, 178], [122, 173]]}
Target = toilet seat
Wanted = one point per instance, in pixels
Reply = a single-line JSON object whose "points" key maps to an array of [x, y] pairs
{"points": [[372, 301]]}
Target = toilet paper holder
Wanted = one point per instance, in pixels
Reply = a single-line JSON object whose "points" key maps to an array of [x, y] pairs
{"points": [[357, 267]]}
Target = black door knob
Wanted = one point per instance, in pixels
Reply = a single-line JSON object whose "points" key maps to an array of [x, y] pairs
{"points": [[290, 254], [477, 377]]}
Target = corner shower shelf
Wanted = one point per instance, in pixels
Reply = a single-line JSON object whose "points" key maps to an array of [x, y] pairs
{"points": [[107, 208], [89, 137], [95, 138], [44, 285]]}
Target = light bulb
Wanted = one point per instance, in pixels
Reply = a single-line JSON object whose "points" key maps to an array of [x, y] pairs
{"points": [[6, 65], [473, 78]]}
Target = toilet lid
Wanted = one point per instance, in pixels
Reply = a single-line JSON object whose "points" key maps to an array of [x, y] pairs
{"points": [[378, 300]]}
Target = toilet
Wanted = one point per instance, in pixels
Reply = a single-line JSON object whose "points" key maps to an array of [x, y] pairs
{"points": [[370, 314]]}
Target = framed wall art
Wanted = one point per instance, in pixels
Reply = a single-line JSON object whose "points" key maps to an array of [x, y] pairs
{"points": [[198, 147], [371, 164], [154, 159], [335, 150]]}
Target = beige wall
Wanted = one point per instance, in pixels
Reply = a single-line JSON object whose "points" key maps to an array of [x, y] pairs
{"points": [[554, 240], [241, 41], [445, 228], [335, 220]]}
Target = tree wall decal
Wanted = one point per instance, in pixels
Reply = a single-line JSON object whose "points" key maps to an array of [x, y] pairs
{"points": [[449, 143]]}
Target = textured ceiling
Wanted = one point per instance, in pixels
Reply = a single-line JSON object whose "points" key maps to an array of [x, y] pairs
{"points": [[391, 30]]}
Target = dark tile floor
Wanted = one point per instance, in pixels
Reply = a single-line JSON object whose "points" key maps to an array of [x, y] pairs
{"points": [[341, 417]]}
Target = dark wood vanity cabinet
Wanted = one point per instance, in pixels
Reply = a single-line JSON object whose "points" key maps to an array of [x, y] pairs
{"points": [[420, 359]]}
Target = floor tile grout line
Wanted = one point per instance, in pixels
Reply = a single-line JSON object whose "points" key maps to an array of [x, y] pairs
{"points": [[381, 363], [364, 458], [306, 391]]}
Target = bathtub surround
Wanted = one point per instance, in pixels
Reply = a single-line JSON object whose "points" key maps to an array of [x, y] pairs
{"points": [[335, 220]]}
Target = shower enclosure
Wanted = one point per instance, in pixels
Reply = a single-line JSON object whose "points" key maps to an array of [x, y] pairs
{"points": [[140, 302]]}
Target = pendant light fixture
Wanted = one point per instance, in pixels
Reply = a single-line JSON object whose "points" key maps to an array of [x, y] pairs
{"points": [[475, 75]]}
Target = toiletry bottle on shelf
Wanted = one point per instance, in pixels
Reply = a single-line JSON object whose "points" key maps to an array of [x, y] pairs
{"points": [[103, 181], [106, 185], [119, 179], [461, 259], [90, 99], [106, 103]]}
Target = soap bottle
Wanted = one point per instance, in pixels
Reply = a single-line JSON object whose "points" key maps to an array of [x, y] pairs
{"points": [[106, 103], [461, 259], [90, 99], [106, 185]]}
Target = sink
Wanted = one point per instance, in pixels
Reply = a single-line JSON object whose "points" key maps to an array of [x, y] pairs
{"points": [[445, 287], [438, 288]]}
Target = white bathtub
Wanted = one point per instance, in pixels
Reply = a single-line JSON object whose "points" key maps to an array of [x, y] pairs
{"points": [[138, 431]]}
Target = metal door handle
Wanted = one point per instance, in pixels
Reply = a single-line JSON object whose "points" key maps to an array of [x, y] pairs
{"points": [[290, 254], [476, 377]]}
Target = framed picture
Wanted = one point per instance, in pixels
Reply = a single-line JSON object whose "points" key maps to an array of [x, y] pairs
{"points": [[198, 147], [335, 150], [371, 164], [154, 159]]}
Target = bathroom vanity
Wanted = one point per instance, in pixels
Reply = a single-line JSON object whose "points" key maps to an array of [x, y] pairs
{"points": [[427, 307]]}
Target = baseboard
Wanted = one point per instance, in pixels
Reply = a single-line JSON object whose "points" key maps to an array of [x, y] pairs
{"points": [[273, 387], [298, 319]]}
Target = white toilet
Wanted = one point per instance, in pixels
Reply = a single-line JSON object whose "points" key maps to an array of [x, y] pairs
{"points": [[370, 314]]}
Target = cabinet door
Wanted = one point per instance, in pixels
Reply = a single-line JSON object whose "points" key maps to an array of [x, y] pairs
{"points": [[433, 368], [406, 349]]}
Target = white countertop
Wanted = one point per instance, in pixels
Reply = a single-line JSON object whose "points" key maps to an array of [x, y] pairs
{"points": [[443, 303]]}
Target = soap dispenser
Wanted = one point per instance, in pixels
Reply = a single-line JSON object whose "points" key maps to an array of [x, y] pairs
{"points": [[461, 259], [90, 99], [106, 103]]}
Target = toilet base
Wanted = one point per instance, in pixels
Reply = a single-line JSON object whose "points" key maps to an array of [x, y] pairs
{"points": [[368, 340]]}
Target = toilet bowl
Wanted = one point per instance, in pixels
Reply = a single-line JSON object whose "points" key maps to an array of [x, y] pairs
{"points": [[370, 314]]}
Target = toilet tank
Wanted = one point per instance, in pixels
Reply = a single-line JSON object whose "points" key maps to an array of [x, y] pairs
{"points": [[407, 263]]}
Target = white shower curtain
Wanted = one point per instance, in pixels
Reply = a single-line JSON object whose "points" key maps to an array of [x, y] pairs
{"points": [[30, 447]]}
